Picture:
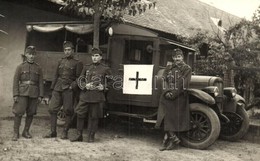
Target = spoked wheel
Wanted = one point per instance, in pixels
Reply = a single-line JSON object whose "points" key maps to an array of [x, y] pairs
{"points": [[237, 127], [205, 127], [61, 117]]}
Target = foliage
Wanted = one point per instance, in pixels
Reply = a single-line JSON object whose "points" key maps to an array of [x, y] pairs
{"points": [[239, 43], [237, 48], [108, 10]]}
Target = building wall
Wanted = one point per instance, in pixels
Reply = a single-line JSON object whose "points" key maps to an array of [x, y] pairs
{"points": [[13, 44]]}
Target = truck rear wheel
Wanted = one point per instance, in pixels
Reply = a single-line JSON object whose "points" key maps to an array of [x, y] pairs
{"points": [[237, 127], [205, 127]]}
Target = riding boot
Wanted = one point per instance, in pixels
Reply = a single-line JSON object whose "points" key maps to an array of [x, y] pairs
{"points": [[91, 137], [165, 142], [80, 126], [17, 123], [28, 122], [93, 126], [66, 127], [52, 133], [173, 142]]}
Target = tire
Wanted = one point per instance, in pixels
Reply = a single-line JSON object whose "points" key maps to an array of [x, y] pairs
{"points": [[61, 117], [205, 127], [237, 127]]}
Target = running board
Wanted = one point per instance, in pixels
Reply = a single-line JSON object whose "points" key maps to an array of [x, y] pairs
{"points": [[134, 116]]}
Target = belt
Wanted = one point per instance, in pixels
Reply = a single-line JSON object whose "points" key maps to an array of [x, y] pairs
{"points": [[29, 82]]}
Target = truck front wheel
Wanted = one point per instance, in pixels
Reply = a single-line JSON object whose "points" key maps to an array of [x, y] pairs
{"points": [[205, 127]]}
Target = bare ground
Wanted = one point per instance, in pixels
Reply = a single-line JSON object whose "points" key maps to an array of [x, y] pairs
{"points": [[115, 142]]}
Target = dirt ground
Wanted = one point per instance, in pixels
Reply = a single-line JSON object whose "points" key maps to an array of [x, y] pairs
{"points": [[114, 142]]}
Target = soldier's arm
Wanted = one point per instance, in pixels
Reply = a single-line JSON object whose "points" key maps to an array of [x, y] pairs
{"points": [[55, 76], [81, 80], [16, 82], [41, 88], [184, 80], [181, 84], [108, 79], [79, 67]]}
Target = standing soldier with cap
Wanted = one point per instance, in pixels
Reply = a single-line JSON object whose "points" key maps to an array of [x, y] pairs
{"points": [[27, 92], [93, 81], [174, 103], [64, 86]]}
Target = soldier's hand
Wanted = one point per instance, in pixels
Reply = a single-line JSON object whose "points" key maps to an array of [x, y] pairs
{"points": [[89, 86], [39, 99], [100, 87], [169, 95], [15, 98]]}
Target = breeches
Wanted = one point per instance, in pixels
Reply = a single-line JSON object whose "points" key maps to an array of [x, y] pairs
{"points": [[59, 99], [25, 104], [94, 110]]}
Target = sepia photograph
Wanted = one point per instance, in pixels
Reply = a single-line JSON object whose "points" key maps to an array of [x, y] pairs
{"points": [[129, 80]]}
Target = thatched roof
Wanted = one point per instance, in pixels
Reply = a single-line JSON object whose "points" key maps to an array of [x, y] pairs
{"points": [[181, 17]]}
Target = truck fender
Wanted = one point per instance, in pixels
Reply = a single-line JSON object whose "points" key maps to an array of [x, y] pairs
{"points": [[203, 96], [239, 98]]}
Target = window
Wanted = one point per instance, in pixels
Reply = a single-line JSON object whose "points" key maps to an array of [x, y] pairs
{"points": [[136, 53]]}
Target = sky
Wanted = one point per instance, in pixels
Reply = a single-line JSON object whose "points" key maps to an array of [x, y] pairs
{"points": [[240, 8]]}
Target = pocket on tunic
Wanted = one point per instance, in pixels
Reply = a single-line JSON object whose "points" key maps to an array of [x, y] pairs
{"points": [[23, 88]]}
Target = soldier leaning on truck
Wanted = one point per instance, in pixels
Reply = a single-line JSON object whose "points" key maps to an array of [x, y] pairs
{"points": [[27, 92], [174, 104], [64, 88], [93, 82]]}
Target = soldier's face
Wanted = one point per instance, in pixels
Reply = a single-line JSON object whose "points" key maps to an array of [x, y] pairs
{"points": [[96, 58], [177, 59], [68, 51], [30, 57]]}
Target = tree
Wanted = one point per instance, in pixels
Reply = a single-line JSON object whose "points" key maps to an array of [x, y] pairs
{"points": [[240, 44], [108, 10]]}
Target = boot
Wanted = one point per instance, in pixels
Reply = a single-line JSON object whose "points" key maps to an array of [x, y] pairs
{"points": [[92, 128], [64, 134], [66, 127], [28, 122], [80, 127], [79, 137], [91, 137], [173, 142], [165, 142], [17, 123], [52, 133]]}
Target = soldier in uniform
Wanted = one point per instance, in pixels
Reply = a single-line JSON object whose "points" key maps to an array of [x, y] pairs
{"points": [[64, 87], [174, 103], [92, 82], [27, 92]]}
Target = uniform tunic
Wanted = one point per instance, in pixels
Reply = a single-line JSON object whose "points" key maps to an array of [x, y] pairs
{"points": [[175, 110], [28, 86], [91, 99], [64, 85]]}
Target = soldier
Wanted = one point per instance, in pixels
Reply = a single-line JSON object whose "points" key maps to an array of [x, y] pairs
{"points": [[93, 83], [174, 104], [27, 92], [64, 86]]}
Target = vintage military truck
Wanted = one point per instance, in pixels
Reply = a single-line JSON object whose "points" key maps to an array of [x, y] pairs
{"points": [[215, 111]]}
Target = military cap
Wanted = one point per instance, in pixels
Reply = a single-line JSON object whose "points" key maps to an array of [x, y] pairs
{"points": [[67, 44], [96, 51], [177, 51], [30, 49]]}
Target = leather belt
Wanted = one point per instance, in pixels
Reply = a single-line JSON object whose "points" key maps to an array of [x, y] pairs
{"points": [[29, 82]]}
